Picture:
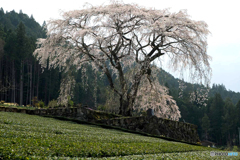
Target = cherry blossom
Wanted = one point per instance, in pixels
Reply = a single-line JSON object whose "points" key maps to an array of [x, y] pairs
{"points": [[115, 37]]}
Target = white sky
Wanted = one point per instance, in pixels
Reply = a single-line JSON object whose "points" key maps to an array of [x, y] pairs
{"points": [[222, 17]]}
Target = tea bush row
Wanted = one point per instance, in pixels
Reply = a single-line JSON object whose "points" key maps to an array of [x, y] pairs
{"points": [[25, 136]]}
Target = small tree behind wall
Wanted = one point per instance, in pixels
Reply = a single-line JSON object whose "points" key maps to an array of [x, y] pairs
{"points": [[114, 37]]}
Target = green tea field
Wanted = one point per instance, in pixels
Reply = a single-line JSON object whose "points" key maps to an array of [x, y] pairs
{"points": [[25, 136]]}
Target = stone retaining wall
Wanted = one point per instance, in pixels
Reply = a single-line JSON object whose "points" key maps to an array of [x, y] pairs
{"points": [[80, 113], [157, 126], [151, 125]]}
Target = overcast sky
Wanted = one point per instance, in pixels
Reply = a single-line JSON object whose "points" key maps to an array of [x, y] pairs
{"points": [[221, 16]]}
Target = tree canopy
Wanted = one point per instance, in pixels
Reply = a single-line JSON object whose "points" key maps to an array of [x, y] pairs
{"points": [[114, 37]]}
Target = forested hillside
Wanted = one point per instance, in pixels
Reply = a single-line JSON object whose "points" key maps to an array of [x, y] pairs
{"points": [[218, 120], [10, 21], [21, 77], [214, 110]]}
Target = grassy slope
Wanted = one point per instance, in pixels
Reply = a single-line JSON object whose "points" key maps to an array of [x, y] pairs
{"points": [[25, 136]]}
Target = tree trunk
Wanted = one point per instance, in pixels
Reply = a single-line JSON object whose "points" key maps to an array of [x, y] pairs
{"points": [[34, 79], [45, 89], [1, 64], [30, 92], [27, 83], [49, 94], [13, 83], [126, 104], [21, 83], [6, 81], [37, 79]]}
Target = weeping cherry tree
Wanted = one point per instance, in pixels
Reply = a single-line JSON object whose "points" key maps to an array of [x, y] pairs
{"points": [[114, 37]]}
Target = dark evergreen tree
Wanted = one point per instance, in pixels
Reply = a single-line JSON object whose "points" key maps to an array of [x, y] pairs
{"points": [[238, 121], [44, 29], [205, 125], [229, 125], [21, 49], [1, 12], [238, 113], [215, 115]]}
